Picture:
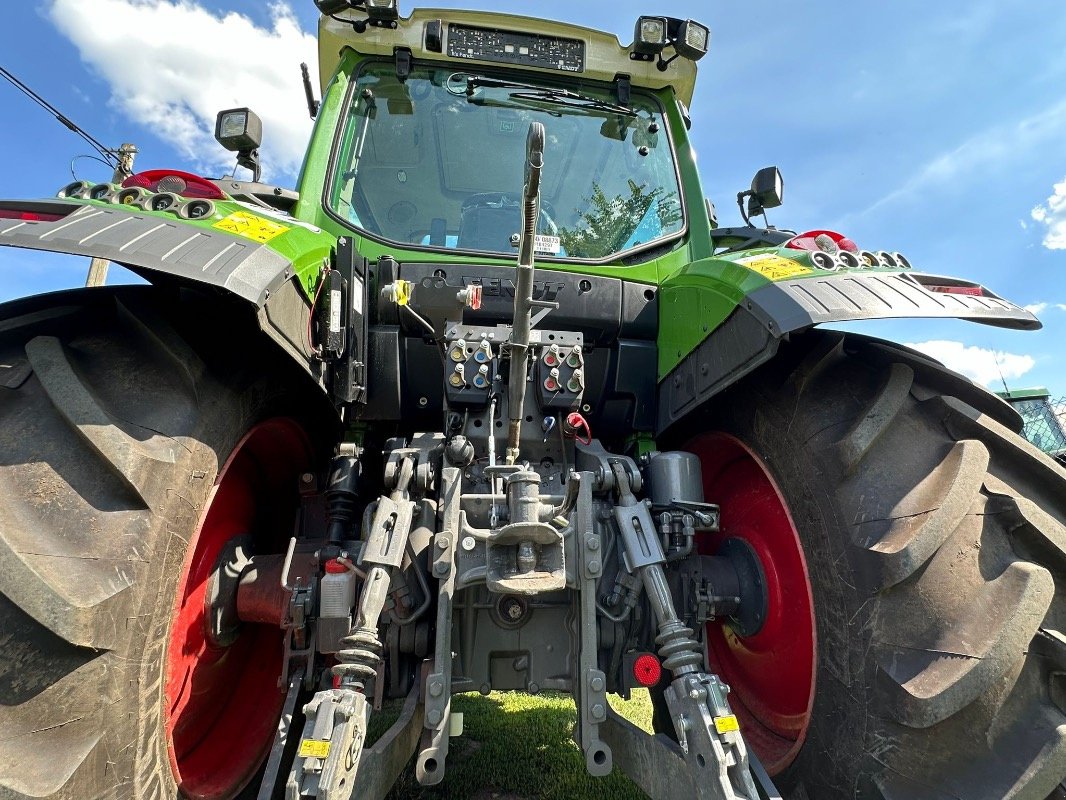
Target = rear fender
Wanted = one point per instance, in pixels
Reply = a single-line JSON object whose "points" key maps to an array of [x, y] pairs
{"points": [[722, 318], [266, 261]]}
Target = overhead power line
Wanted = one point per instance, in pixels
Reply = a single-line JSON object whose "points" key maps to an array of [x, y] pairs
{"points": [[109, 155]]}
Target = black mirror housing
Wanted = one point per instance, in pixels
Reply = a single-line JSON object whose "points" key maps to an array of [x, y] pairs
{"points": [[767, 187]]}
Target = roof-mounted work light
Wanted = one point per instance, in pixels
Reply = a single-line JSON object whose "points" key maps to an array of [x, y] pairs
{"points": [[653, 35], [380, 13], [382, 10], [649, 38], [332, 6], [692, 40]]}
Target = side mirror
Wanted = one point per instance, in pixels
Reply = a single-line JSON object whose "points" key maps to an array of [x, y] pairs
{"points": [[240, 130], [767, 188]]}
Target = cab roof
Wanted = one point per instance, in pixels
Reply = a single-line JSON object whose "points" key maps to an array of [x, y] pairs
{"points": [[604, 55]]}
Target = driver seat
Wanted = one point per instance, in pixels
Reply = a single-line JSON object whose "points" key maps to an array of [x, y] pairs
{"points": [[487, 222]]}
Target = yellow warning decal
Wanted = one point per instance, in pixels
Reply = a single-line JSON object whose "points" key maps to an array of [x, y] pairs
{"points": [[313, 748], [726, 724], [250, 226], [776, 268]]}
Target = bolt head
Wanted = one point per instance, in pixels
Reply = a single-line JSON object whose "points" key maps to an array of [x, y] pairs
{"points": [[598, 711], [596, 684], [434, 717], [436, 688]]}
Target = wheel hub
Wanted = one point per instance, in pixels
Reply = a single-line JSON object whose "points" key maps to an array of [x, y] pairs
{"points": [[769, 663], [222, 694]]}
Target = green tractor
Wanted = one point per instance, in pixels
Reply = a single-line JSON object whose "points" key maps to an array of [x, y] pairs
{"points": [[1042, 419], [489, 402]]}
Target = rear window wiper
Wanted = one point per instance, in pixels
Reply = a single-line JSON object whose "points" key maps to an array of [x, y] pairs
{"points": [[563, 97]]}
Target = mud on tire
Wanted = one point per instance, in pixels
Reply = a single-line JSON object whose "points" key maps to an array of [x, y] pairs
{"points": [[113, 426], [935, 539]]}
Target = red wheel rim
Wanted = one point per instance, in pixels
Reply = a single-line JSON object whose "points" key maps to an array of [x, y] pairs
{"points": [[771, 673], [223, 704]]}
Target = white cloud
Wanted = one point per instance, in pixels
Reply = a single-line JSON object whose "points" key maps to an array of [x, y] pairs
{"points": [[1036, 308], [173, 64], [977, 363], [1052, 214]]}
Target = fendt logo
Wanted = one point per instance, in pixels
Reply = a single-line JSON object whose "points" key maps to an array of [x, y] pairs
{"points": [[498, 287]]}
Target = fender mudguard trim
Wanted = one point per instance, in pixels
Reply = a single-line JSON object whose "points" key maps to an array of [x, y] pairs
{"points": [[247, 269], [750, 336], [795, 304]]}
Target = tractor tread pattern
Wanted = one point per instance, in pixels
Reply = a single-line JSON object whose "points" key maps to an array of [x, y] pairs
{"points": [[923, 524], [942, 585], [879, 415], [131, 460], [108, 450]]}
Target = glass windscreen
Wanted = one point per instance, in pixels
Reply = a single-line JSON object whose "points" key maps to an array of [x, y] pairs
{"points": [[437, 161]]}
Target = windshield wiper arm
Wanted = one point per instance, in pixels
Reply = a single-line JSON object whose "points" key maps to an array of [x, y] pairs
{"points": [[539, 93], [563, 97]]}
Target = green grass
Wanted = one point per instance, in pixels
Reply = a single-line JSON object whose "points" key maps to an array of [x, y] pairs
{"points": [[518, 747]]}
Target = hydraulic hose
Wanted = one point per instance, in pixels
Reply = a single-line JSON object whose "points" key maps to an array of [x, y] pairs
{"points": [[523, 298]]}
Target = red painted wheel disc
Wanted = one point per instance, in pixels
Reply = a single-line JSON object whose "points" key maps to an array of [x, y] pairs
{"points": [[223, 703], [771, 673]]}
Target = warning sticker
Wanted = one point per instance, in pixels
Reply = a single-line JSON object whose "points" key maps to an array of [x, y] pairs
{"points": [[776, 268], [250, 226], [724, 724], [547, 244], [313, 748]]}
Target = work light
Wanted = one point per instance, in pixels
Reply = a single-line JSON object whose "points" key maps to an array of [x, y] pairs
{"points": [[382, 10], [692, 40], [650, 35], [238, 129], [332, 6]]}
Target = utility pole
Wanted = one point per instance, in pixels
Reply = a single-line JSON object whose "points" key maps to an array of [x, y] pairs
{"points": [[98, 266]]}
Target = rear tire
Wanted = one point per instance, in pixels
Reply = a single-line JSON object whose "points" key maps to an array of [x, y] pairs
{"points": [[934, 538], [117, 411]]}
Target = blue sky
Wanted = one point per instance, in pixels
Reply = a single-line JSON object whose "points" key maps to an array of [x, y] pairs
{"points": [[934, 129]]}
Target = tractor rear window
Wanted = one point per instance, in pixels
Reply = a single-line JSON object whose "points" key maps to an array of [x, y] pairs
{"points": [[437, 162]]}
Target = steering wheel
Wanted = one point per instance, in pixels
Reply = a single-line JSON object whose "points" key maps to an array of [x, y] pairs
{"points": [[546, 223]]}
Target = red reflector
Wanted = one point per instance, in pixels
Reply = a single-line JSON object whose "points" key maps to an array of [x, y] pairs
{"points": [[973, 291], [29, 216], [647, 670], [806, 241], [172, 180]]}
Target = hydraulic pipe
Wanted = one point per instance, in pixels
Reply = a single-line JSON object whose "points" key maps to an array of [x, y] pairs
{"points": [[523, 296]]}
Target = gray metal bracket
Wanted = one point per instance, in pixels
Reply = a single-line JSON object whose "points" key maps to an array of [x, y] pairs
{"points": [[429, 768], [389, 530], [384, 761], [659, 766], [590, 690]]}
